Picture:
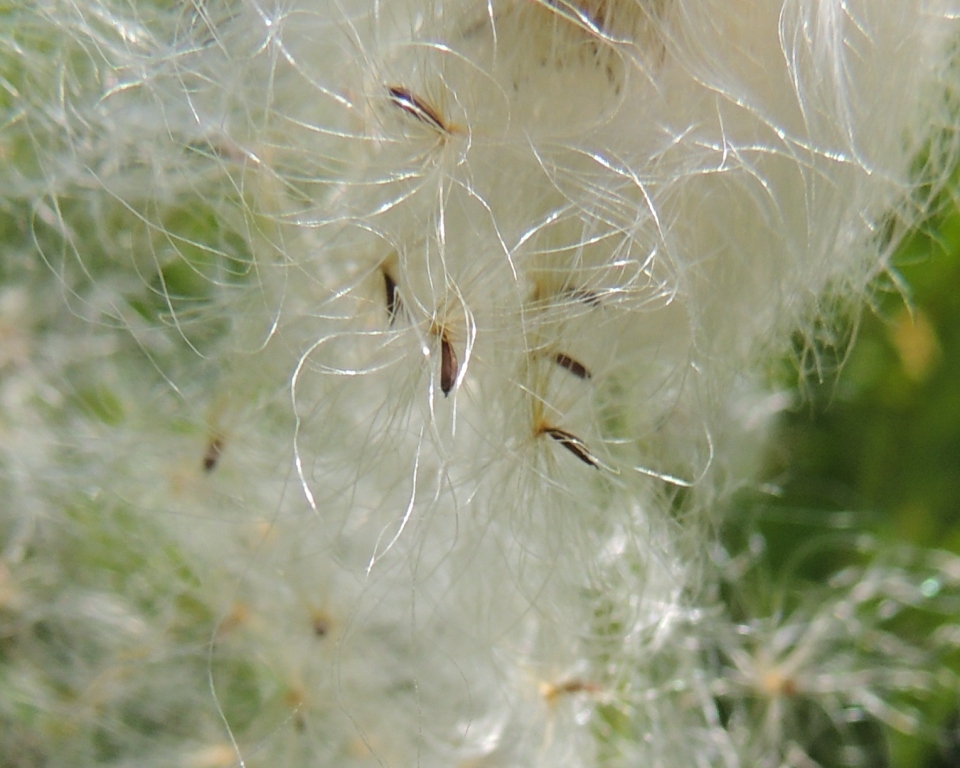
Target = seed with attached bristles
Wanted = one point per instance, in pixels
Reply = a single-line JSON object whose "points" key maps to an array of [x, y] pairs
{"points": [[413, 105], [321, 624], [553, 691], [575, 367], [572, 443], [393, 296], [590, 298], [212, 456], [449, 366]]}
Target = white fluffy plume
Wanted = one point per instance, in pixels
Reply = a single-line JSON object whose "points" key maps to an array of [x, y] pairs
{"points": [[391, 362]]}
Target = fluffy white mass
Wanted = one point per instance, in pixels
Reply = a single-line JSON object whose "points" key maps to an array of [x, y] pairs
{"points": [[391, 362]]}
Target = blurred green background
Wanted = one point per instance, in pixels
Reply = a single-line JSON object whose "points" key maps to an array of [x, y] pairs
{"points": [[872, 445]]}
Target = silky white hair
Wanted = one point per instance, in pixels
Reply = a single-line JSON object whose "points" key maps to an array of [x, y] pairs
{"points": [[394, 362]]}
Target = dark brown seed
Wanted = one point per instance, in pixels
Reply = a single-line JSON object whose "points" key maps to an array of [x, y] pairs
{"points": [[448, 365], [573, 444], [591, 298], [575, 367], [321, 625], [212, 456], [414, 105], [393, 296]]}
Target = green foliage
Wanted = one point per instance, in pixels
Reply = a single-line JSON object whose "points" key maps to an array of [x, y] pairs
{"points": [[876, 448]]}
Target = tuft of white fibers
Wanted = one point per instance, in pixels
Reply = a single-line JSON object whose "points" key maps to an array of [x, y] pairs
{"points": [[375, 374], [821, 669]]}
